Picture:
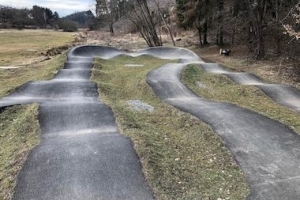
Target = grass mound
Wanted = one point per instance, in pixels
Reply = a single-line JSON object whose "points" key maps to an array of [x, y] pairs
{"points": [[221, 88]]}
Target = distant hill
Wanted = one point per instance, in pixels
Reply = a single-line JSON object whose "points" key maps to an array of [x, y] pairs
{"points": [[1, 6], [83, 19]]}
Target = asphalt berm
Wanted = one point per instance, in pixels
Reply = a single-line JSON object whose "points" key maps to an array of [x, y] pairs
{"points": [[82, 155]]}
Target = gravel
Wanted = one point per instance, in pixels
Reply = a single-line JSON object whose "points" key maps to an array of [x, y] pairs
{"points": [[201, 85], [140, 106]]}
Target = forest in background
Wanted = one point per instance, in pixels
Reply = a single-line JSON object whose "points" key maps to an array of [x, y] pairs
{"points": [[266, 27], [43, 18]]}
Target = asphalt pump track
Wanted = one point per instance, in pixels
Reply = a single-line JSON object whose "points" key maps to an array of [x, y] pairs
{"points": [[82, 155]]}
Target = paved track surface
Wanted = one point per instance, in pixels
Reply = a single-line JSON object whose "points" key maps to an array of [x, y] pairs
{"points": [[267, 151], [83, 156]]}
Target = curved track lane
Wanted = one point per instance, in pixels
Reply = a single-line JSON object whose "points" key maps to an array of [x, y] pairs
{"points": [[284, 95], [83, 156], [267, 150]]}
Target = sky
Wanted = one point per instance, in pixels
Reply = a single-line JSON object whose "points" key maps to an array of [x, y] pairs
{"points": [[62, 7]]}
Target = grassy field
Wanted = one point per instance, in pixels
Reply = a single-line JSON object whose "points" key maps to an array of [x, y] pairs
{"points": [[19, 128], [26, 47], [221, 88], [182, 158]]}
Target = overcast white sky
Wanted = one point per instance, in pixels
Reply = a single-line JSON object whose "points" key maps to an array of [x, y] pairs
{"points": [[63, 7]]}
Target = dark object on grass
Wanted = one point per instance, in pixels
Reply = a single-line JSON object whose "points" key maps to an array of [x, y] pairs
{"points": [[225, 52]]}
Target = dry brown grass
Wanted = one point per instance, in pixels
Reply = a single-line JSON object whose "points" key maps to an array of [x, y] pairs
{"points": [[125, 42], [24, 49], [26, 46], [133, 41]]}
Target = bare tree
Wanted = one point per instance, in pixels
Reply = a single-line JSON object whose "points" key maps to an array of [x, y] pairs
{"points": [[143, 19], [289, 28], [109, 11], [196, 14], [220, 5], [163, 19], [256, 14]]}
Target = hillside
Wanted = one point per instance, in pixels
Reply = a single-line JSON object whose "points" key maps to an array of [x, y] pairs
{"points": [[2, 6], [83, 19]]}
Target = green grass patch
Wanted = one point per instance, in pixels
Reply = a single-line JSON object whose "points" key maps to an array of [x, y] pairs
{"points": [[182, 158], [19, 131], [221, 88]]}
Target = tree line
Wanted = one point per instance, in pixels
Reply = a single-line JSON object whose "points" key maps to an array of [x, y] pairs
{"points": [[145, 15], [40, 17], [22, 18], [253, 22], [262, 25], [259, 24]]}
